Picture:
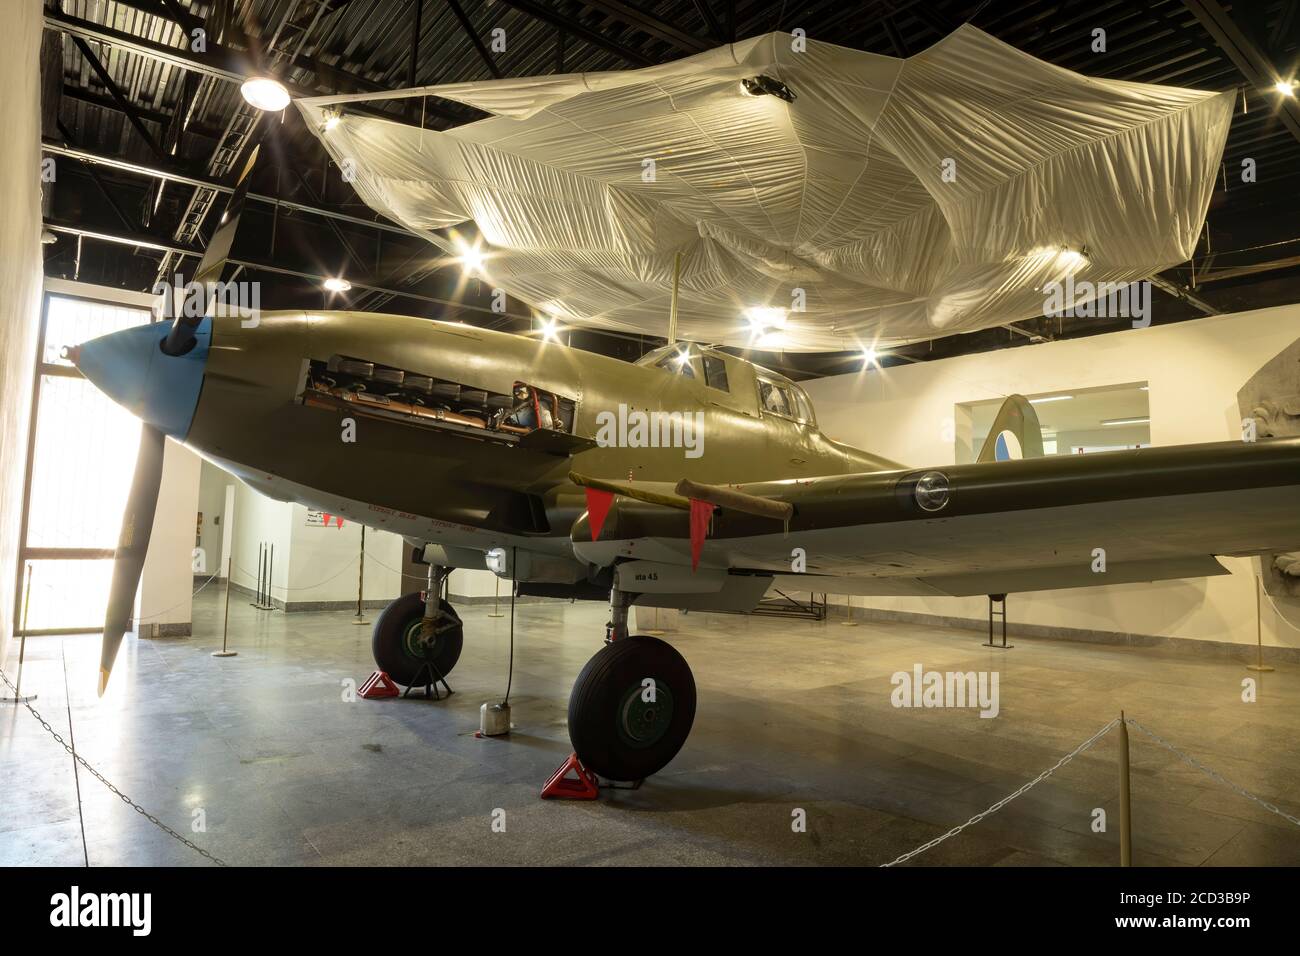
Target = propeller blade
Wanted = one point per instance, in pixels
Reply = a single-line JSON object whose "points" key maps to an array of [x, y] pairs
{"points": [[132, 546], [181, 335]]}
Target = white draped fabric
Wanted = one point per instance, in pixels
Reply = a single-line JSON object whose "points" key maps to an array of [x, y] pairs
{"points": [[892, 200]]}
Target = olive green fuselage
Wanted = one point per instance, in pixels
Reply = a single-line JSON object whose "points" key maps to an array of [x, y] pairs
{"points": [[460, 488]]}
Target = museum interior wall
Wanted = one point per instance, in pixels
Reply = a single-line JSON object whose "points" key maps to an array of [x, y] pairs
{"points": [[1193, 371], [315, 565], [20, 272]]}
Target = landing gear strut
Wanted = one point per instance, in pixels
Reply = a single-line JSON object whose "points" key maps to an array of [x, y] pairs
{"points": [[419, 635], [632, 706]]}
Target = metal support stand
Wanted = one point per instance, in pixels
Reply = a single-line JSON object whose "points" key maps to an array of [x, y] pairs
{"points": [[1001, 614], [431, 677], [225, 626], [18, 697], [361, 579], [1259, 666]]}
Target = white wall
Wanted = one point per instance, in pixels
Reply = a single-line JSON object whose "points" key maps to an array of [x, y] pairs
{"points": [[313, 564], [20, 273], [212, 503], [324, 562], [1194, 369], [259, 520], [167, 584]]}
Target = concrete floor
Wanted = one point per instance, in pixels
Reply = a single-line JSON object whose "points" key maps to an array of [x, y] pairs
{"points": [[792, 715]]}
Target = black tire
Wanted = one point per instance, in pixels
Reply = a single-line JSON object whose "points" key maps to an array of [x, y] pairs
{"points": [[395, 646], [614, 730]]}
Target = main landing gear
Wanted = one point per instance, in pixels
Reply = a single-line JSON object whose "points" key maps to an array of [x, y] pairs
{"points": [[418, 637], [632, 706]]}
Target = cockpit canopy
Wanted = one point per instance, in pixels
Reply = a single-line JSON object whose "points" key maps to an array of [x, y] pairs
{"points": [[773, 394]]}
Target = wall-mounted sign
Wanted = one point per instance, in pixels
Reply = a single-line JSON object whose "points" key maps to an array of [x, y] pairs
{"points": [[323, 519]]}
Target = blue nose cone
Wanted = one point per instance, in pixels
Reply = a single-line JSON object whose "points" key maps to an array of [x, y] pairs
{"points": [[131, 368]]}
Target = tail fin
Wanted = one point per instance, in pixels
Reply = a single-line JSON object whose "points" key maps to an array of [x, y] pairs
{"points": [[1015, 432]]}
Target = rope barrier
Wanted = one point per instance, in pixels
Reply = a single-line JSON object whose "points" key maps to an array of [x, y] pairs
{"points": [[1185, 757], [1212, 774], [104, 780], [1007, 799]]}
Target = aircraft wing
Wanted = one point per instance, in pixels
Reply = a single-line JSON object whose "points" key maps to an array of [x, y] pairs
{"points": [[985, 528]]}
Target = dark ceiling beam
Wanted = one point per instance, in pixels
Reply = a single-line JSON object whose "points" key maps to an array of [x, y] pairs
{"points": [[152, 243], [650, 25], [170, 174], [123, 218], [117, 96], [710, 19], [575, 27], [1179, 291], [465, 24], [233, 66], [1246, 56]]}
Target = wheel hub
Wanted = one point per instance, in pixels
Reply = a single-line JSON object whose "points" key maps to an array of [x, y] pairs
{"points": [[643, 722]]}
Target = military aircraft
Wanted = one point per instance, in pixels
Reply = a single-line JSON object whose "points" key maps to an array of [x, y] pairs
{"points": [[691, 478]]}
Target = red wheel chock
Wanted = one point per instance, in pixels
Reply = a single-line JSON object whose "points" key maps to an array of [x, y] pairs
{"points": [[563, 787], [379, 684]]}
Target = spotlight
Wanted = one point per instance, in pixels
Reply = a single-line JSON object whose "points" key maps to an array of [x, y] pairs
{"points": [[332, 120], [471, 258], [869, 358], [264, 93], [764, 317], [764, 85], [550, 329], [48, 238], [1285, 87], [336, 284], [1073, 258]]}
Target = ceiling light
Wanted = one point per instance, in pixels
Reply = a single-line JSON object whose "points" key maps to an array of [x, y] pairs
{"points": [[264, 93], [1050, 398], [336, 284], [764, 85], [550, 329], [332, 120], [471, 257], [1126, 421], [869, 358], [48, 238], [1073, 258], [1285, 87], [764, 317]]}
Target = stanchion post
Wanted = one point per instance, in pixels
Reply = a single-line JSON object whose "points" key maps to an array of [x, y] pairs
{"points": [[496, 600], [849, 622], [1259, 666], [1125, 810], [257, 598], [18, 697], [225, 624], [361, 579]]}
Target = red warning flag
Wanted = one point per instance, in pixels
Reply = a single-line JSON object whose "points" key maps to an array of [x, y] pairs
{"points": [[701, 512], [598, 503]]}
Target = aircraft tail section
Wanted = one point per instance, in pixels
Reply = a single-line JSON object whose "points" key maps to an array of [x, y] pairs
{"points": [[1015, 433]]}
